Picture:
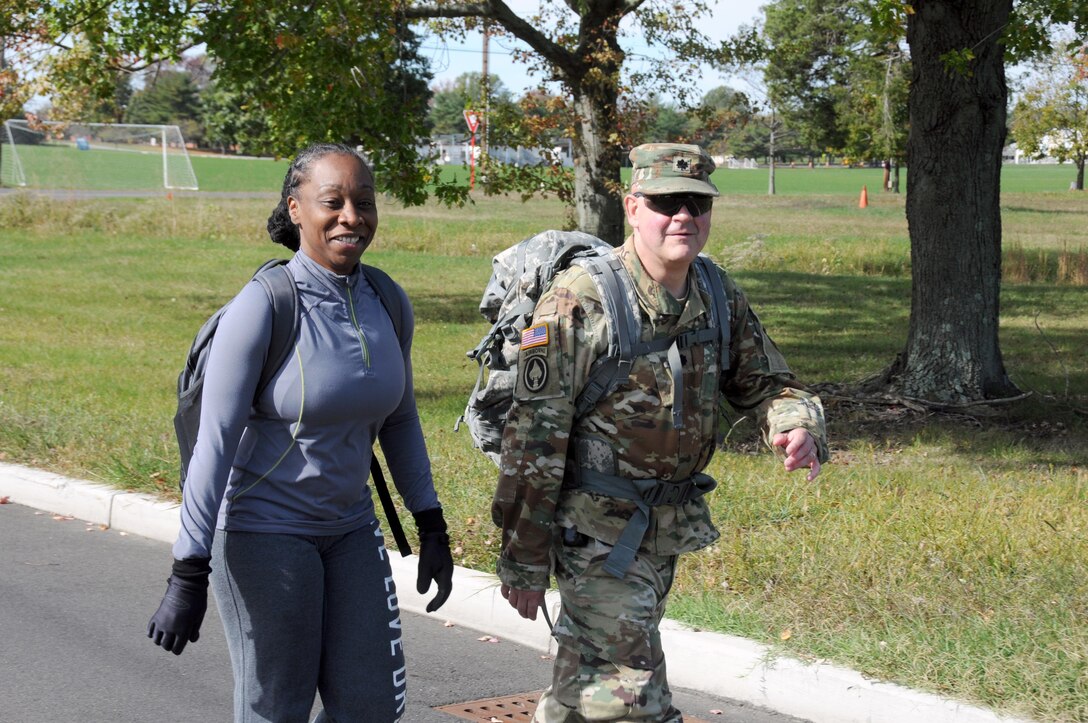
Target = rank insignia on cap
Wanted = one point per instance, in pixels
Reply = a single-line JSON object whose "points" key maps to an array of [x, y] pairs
{"points": [[682, 164], [536, 335]]}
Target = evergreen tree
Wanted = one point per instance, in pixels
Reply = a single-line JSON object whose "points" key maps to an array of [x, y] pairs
{"points": [[169, 97]]}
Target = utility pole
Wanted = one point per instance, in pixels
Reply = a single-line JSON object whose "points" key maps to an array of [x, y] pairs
{"points": [[485, 88]]}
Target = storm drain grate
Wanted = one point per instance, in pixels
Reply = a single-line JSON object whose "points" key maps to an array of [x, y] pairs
{"points": [[510, 708]]}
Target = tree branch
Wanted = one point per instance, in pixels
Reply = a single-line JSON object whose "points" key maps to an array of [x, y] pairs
{"points": [[500, 12]]}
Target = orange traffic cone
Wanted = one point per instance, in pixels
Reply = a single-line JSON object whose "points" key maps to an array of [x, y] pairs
{"points": [[863, 202]]}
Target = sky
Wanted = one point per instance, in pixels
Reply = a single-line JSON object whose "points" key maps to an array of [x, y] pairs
{"points": [[450, 59]]}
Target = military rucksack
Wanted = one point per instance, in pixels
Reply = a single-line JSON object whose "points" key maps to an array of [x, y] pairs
{"points": [[279, 286], [520, 274]]}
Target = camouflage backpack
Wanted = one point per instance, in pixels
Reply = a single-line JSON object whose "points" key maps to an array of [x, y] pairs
{"points": [[520, 274]]}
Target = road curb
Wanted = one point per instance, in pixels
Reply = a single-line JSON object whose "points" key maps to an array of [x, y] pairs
{"points": [[711, 663]]}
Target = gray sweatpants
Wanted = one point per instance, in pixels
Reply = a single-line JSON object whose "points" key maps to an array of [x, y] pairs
{"points": [[306, 614]]}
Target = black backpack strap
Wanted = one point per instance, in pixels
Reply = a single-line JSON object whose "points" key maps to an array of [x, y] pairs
{"points": [[395, 528], [279, 284], [390, 296]]}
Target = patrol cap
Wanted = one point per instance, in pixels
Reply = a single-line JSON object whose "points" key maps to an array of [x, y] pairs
{"points": [[659, 168]]}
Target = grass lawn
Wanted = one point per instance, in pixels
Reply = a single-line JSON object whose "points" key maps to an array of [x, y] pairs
{"points": [[948, 553], [63, 166]]}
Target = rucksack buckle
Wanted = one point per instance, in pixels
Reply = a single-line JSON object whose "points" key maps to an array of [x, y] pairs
{"points": [[667, 493], [686, 339], [691, 338]]}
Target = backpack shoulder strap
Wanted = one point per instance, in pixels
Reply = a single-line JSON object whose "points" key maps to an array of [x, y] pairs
{"points": [[625, 330], [279, 284], [712, 281], [625, 344], [389, 295], [391, 299]]}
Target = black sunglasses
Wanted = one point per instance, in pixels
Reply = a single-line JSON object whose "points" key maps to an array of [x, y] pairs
{"points": [[669, 204]]}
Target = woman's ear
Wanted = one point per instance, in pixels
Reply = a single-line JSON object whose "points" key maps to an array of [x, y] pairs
{"points": [[292, 209]]}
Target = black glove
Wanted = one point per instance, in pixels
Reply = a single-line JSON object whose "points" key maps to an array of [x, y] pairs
{"points": [[435, 560], [177, 621]]}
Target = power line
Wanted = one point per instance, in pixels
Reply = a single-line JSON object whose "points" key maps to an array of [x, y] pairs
{"points": [[448, 49]]}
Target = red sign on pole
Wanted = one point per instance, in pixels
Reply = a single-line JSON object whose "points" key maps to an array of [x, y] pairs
{"points": [[472, 120]]}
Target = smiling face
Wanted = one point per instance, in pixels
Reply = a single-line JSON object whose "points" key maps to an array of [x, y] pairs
{"points": [[335, 212], [666, 244]]}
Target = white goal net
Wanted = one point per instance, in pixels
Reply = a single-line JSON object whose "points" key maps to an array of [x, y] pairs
{"points": [[94, 156]]}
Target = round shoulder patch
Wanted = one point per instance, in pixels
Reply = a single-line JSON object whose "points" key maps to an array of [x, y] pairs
{"points": [[535, 374]]}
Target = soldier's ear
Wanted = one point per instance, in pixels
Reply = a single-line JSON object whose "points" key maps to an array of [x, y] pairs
{"points": [[630, 208]]}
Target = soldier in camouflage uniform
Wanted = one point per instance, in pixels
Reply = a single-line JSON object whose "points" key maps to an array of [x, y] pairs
{"points": [[569, 488]]}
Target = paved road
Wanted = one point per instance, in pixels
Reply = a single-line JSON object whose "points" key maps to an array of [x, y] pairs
{"points": [[74, 604]]}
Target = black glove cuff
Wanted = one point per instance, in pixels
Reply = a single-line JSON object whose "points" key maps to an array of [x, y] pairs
{"points": [[193, 571], [430, 522]]}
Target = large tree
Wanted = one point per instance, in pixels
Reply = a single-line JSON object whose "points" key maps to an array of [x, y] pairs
{"points": [[958, 99], [957, 130], [335, 71], [810, 46], [234, 120], [957, 120], [836, 76], [578, 44], [719, 118], [1051, 117], [169, 97]]}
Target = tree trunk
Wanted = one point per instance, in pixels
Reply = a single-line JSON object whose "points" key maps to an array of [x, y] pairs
{"points": [[895, 176], [957, 130], [591, 72], [597, 169], [1080, 173]]}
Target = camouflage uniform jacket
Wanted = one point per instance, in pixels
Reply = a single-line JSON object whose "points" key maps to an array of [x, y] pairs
{"points": [[630, 432]]}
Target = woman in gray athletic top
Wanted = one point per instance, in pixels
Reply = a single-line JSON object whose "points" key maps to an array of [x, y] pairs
{"points": [[276, 509]]}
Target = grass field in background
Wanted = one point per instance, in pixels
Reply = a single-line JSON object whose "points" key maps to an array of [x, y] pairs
{"points": [[139, 168], [63, 166], [944, 553], [849, 181], [227, 173]]}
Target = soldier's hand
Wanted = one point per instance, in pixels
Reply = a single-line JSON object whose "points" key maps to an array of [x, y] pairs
{"points": [[801, 451], [526, 602]]}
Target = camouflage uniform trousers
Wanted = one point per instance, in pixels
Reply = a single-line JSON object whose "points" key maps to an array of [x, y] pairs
{"points": [[610, 665]]}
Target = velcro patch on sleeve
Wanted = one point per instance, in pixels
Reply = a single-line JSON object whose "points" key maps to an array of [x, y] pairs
{"points": [[536, 335], [539, 375]]}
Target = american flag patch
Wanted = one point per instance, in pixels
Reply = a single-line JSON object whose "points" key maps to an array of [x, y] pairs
{"points": [[536, 335]]}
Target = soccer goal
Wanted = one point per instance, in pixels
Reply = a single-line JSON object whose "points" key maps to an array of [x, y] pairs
{"points": [[94, 156]]}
